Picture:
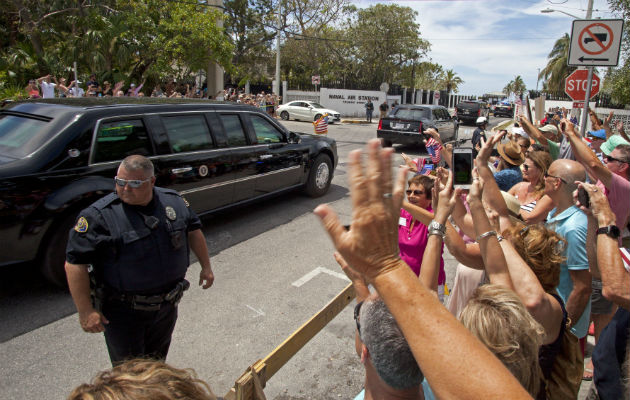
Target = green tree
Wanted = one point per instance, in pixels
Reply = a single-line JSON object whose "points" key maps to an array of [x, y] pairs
{"points": [[617, 80], [450, 81], [428, 75], [556, 70], [386, 38], [516, 87]]}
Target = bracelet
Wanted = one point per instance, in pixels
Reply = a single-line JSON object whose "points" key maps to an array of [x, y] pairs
{"points": [[500, 238], [486, 234]]}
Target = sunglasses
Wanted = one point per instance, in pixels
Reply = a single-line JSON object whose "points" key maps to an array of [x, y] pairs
{"points": [[556, 177], [416, 192], [133, 183], [526, 167], [357, 311], [611, 159]]}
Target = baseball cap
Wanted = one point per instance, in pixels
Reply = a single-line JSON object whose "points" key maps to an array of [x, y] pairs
{"points": [[615, 140], [549, 128], [133, 85], [601, 134]]}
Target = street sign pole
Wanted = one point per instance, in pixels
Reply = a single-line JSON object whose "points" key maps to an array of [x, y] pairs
{"points": [[587, 97]]}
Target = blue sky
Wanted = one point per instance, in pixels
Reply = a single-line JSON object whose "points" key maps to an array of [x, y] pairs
{"points": [[488, 42]]}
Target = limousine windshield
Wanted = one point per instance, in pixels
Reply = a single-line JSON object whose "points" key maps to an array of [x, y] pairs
{"points": [[20, 136]]}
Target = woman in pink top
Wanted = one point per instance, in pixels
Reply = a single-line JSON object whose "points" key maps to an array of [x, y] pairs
{"points": [[412, 234]]}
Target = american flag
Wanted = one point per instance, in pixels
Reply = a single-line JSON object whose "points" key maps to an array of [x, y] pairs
{"points": [[321, 125], [434, 149]]}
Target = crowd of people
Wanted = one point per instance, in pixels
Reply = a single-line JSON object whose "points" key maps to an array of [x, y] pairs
{"points": [[49, 86], [538, 261]]}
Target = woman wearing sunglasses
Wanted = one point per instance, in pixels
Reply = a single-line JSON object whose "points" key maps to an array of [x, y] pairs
{"points": [[534, 204], [415, 215]]}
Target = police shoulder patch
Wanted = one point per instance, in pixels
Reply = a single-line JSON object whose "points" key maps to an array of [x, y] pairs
{"points": [[82, 225]]}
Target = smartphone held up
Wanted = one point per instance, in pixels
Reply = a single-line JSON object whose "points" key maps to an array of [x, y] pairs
{"points": [[462, 167]]}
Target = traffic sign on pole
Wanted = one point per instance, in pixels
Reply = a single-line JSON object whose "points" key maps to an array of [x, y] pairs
{"points": [[575, 85], [595, 42], [315, 79]]}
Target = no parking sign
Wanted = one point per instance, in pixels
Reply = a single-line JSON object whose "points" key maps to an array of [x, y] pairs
{"points": [[595, 42]]}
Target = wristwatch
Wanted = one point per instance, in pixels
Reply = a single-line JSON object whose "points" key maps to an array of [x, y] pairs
{"points": [[435, 228], [610, 230]]}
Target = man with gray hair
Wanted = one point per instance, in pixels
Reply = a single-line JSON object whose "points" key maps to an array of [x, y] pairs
{"points": [[391, 371]]}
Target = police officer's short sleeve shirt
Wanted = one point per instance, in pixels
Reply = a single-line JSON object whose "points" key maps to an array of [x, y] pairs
{"points": [[88, 234]]}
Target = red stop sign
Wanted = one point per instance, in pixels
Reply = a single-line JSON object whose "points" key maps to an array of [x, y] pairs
{"points": [[575, 85]]}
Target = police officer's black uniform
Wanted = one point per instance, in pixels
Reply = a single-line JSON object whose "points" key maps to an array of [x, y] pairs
{"points": [[139, 256]]}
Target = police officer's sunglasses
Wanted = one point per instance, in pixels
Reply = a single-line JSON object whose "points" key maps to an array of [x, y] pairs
{"points": [[133, 183]]}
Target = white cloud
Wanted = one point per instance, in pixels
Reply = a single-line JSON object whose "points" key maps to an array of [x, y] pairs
{"points": [[487, 43]]}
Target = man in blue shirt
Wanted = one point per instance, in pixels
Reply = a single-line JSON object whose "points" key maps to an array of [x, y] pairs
{"points": [[570, 222], [509, 172]]}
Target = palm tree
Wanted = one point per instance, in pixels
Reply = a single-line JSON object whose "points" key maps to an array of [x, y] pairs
{"points": [[516, 87], [519, 86], [451, 80], [557, 69]]}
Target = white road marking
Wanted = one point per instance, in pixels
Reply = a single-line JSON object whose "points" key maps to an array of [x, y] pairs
{"points": [[316, 272], [259, 313]]}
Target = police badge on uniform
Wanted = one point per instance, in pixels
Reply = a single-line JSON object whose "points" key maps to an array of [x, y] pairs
{"points": [[82, 225], [170, 213]]}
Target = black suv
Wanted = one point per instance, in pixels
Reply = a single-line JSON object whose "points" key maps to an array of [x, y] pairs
{"points": [[406, 124], [469, 110], [506, 110], [59, 156]]}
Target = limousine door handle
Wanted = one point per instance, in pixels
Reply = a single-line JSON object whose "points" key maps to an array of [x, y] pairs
{"points": [[265, 156], [181, 170]]}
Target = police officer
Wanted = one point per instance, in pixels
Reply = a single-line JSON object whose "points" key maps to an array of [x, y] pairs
{"points": [[136, 242]]}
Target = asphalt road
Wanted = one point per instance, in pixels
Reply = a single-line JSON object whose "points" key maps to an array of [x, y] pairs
{"points": [[274, 269]]}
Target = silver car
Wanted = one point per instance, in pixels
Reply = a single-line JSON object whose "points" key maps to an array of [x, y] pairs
{"points": [[307, 111]]}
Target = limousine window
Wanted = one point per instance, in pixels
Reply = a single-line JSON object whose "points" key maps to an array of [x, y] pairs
{"points": [[188, 133], [119, 139], [233, 130], [20, 136], [265, 132]]}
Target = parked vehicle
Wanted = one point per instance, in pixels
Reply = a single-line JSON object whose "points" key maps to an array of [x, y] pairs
{"points": [[468, 111], [406, 124], [58, 156], [307, 111], [503, 110]]}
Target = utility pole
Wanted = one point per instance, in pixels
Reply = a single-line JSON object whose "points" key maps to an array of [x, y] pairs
{"points": [[214, 74], [276, 86], [587, 96]]}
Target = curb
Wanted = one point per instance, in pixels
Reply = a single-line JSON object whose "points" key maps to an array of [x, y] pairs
{"points": [[355, 121]]}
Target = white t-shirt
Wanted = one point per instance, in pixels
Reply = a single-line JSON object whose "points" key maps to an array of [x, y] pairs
{"points": [[77, 92], [48, 90]]}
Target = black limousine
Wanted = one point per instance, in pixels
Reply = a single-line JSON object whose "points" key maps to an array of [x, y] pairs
{"points": [[58, 156]]}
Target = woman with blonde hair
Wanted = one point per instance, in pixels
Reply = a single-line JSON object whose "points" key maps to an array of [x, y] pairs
{"points": [[534, 204], [498, 318], [144, 380]]}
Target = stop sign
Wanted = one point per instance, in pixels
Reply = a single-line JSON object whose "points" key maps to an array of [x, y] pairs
{"points": [[575, 85]]}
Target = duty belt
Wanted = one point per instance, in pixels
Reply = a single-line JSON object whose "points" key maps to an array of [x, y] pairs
{"points": [[152, 302]]}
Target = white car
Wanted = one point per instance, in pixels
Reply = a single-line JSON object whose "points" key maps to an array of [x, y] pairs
{"points": [[306, 111]]}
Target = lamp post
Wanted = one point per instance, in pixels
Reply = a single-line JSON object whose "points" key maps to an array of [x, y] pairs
{"points": [[550, 10]]}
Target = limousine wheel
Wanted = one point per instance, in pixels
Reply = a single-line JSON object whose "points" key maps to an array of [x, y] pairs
{"points": [[319, 177], [284, 115], [54, 256]]}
